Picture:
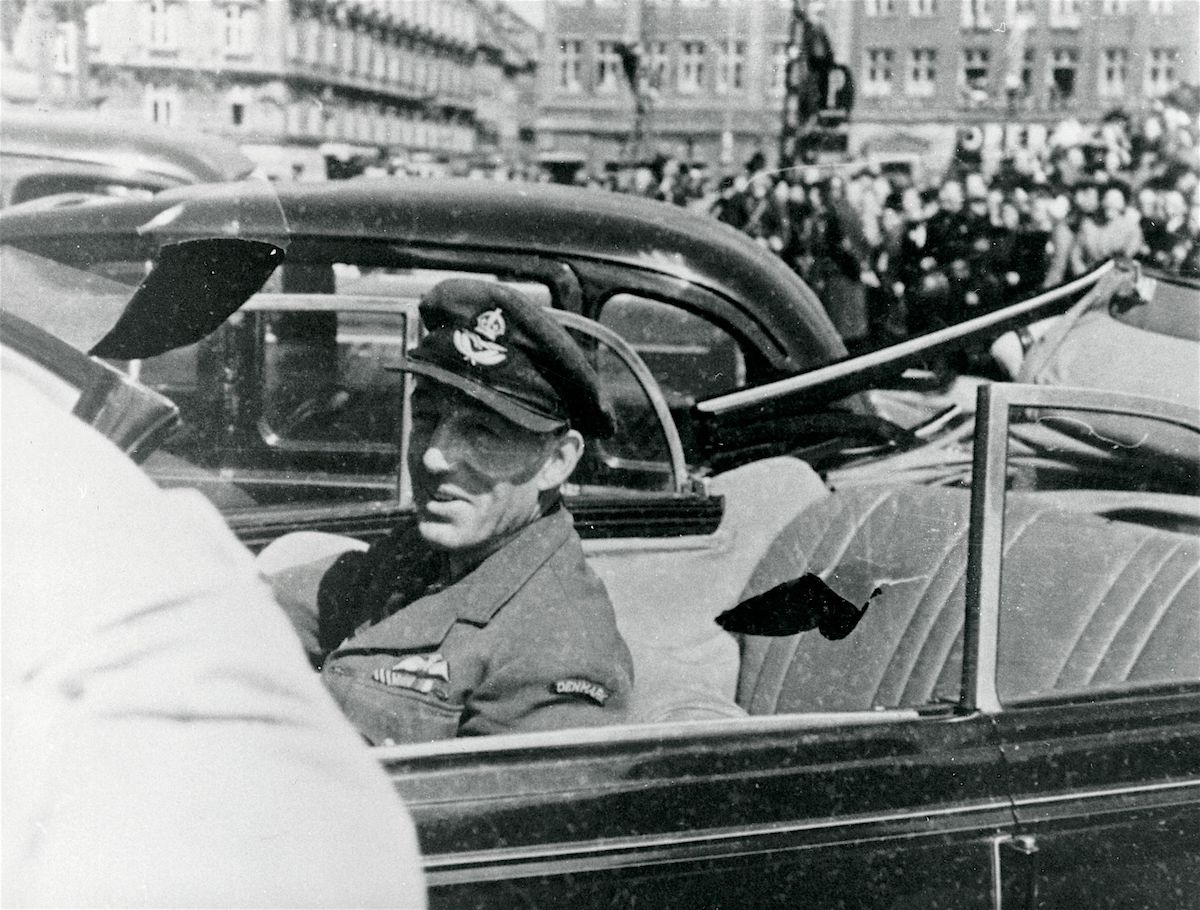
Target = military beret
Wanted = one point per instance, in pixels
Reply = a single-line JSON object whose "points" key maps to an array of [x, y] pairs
{"points": [[506, 352]]}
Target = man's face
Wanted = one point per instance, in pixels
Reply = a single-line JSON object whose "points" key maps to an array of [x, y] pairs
{"points": [[950, 198], [1114, 204], [1087, 199], [475, 475]]}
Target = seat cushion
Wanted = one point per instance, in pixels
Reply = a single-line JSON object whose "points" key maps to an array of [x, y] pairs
{"points": [[667, 593], [1086, 602]]}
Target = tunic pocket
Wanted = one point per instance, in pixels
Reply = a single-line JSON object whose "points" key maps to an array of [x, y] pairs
{"points": [[384, 712]]}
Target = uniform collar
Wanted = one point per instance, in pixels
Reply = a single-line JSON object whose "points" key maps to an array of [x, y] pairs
{"points": [[487, 587], [478, 595]]}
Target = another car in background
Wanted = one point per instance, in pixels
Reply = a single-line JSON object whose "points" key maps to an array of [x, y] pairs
{"points": [[49, 154]]}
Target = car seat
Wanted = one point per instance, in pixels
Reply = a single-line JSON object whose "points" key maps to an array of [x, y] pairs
{"points": [[1086, 602]]}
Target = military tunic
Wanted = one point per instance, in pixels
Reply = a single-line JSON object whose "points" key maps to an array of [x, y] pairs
{"points": [[526, 641]]}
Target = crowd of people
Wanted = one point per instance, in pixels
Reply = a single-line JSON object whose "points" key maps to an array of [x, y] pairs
{"points": [[891, 258]]}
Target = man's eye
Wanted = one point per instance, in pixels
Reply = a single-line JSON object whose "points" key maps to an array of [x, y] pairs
{"points": [[480, 430]]}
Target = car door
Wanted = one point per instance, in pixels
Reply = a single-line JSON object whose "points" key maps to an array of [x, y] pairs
{"points": [[880, 809], [1094, 604], [856, 773]]}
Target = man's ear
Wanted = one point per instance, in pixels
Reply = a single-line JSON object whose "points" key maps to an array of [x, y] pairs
{"points": [[564, 454]]}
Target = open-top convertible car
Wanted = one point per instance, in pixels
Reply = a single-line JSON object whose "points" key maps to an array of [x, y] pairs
{"points": [[954, 667]]}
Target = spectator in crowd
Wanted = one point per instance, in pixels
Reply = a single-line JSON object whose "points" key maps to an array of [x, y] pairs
{"points": [[969, 239], [1167, 234], [1110, 231]]}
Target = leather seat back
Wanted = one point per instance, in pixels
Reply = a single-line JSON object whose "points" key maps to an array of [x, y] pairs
{"points": [[1086, 602]]}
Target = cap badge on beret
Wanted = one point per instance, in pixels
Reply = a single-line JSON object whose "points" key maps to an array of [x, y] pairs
{"points": [[479, 346]]}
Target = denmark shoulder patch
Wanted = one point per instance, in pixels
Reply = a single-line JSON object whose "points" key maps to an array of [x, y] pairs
{"points": [[576, 685]]}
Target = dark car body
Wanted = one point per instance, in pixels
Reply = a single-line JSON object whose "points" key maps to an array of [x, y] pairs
{"points": [[1012, 718], [46, 154]]}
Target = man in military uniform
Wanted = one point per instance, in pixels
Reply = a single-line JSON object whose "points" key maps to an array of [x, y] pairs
{"points": [[482, 616]]}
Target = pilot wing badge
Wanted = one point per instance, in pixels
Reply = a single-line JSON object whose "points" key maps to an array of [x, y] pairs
{"points": [[420, 672], [480, 346]]}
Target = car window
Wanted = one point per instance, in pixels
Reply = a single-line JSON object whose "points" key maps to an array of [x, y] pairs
{"points": [[290, 404], [325, 380], [638, 454], [691, 357], [1098, 585]]}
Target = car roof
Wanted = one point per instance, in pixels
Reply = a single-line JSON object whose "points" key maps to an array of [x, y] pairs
{"points": [[561, 222], [177, 156]]}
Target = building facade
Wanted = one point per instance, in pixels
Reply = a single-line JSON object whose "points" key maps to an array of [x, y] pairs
{"points": [[43, 57], [396, 81], [714, 73], [998, 73], [923, 70]]}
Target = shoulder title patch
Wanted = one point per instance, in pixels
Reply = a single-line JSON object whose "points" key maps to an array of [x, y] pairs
{"points": [[576, 685]]}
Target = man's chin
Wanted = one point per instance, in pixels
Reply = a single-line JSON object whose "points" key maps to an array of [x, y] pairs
{"points": [[441, 535]]}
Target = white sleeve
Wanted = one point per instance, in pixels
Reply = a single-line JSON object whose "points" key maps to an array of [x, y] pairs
{"points": [[165, 741]]}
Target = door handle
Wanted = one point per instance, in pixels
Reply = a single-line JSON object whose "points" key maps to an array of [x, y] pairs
{"points": [[1014, 881]]}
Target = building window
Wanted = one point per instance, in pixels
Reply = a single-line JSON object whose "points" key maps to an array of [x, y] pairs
{"points": [[657, 61], [159, 33], [329, 45], [976, 13], [1114, 72], [877, 71], [608, 66], [162, 105], [1064, 63], [1064, 14], [691, 67], [731, 67], [975, 73], [1114, 7], [1160, 71], [380, 56], [779, 62], [570, 65], [922, 8], [1022, 8], [66, 48], [880, 7], [922, 72], [238, 29], [237, 113]]}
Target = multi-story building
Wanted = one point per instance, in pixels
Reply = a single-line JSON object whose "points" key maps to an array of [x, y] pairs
{"points": [[380, 79], [1005, 72], [42, 54], [715, 72], [923, 69], [506, 88]]}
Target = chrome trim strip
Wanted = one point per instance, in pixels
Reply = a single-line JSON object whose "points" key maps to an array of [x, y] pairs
{"points": [[1107, 792], [985, 541], [565, 852], [655, 733], [843, 368], [643, 375]]}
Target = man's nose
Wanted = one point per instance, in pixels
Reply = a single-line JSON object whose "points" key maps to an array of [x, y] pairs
{"points": [[443, 450]]}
